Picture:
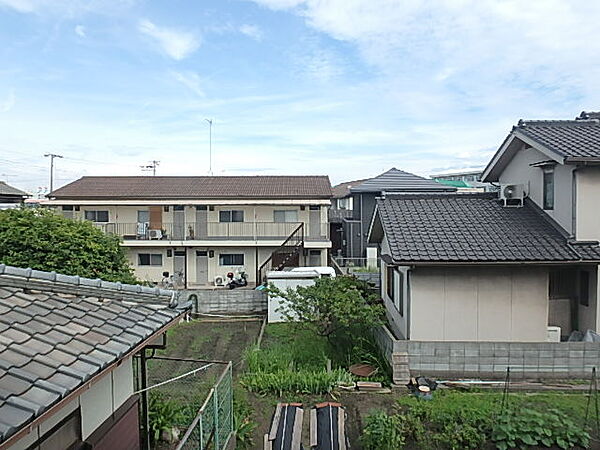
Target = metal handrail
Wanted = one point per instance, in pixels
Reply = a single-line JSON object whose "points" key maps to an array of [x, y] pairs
{"points": [[298, 236]]}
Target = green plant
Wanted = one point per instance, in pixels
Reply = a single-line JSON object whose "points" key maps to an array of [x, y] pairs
{"points": [[44, 240], [164, 415], [242, 421], [522, 427], [331, 304], [383, 432], [295, 382]]}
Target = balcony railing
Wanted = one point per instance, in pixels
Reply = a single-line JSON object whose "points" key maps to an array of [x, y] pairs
{"points": [[201, 231], [337, 215]]}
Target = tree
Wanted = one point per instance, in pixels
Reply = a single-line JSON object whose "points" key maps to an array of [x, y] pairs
{"points": [[331, 305], [44, 240]]}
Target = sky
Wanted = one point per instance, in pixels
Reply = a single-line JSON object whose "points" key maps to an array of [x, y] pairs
{"points": [[345, 88]]}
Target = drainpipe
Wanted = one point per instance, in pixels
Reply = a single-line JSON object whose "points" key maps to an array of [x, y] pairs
{"points": [[144, 394]]}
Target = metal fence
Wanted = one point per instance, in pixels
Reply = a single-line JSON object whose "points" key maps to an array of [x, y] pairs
{"points": [[194, 398]]}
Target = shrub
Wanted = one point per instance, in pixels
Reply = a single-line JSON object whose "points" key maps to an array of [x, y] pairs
{"points": [[164, 415], [527, 427], [295, 382], [242, 421], [383, 432]]}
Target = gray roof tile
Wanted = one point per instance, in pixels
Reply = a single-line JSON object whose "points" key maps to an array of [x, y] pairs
{"points": [[51, 343], [579, 139], [468, 228], [395, 180]]}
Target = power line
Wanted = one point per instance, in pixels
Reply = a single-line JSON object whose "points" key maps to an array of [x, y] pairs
{"points": [[52, 156]]}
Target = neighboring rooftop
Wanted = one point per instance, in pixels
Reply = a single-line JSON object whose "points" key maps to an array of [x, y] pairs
{"points": [[53, 341], [343, 189], [8, 192], [395, 180], [456, 173], [147, 187], [472, 228]]}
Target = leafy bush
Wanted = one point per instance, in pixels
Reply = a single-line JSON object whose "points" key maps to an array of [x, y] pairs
{"points": [[383, 432], [164, 414], [44, 240], [242, 421], [527, 427], [295, 382]]}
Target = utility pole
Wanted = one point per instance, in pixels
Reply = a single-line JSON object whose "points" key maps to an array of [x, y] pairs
{"points": [[52, 156], [151, 167], [210, 122]]}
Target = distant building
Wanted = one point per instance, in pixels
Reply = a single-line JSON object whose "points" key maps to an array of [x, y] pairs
{"points": [[10, 195], [466, 180], [354, 203]]}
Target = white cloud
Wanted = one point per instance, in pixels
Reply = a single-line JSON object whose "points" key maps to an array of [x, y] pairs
{"points": [[252, 31], [9, 102], [80, 30], [190, 80], [24, 6], [67, 7], [177, 44]]}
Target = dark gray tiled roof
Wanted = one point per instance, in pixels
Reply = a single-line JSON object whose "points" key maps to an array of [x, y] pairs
{"points": [[576, 139], [395, 180], [51, 343], [467, 228], [10, 191]]}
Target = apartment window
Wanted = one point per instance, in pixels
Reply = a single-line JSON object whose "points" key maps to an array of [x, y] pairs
{"points": [[150, 259], [67, 207], [178, 208], [96, 216], [231, 259], [548, 188], [288, 215], [233, 215]]}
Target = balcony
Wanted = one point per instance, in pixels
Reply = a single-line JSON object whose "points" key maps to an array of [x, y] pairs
{"points": [[207, 231], [337, 215]]}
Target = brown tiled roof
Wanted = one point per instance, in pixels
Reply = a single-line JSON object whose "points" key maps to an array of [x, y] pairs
{"points": [[146, 187], [343, 189]]}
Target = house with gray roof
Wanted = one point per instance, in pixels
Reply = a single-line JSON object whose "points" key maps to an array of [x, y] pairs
{"points": [[488, 274], [66, 358], [10, 194], [359, 197]]}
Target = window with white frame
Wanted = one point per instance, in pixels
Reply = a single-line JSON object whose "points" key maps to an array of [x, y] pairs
{"points": [[96, 216], [548, 185], [233, 215], [285, 215], [231, 259], [150, 259]]}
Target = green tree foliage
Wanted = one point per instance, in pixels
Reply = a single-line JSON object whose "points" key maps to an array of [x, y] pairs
{"points": [[331, 305], [44, 240]]}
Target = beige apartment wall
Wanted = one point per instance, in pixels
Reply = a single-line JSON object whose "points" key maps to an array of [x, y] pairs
{"points": [[520, 171], [154, 273], [479, 304], [588, 203]]}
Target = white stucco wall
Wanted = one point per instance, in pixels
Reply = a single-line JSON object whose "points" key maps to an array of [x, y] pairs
{"points": [[588, 203], [96, 404], [520, 171], [479, 304]]}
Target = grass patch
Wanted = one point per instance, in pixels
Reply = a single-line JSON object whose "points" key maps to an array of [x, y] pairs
{"points": [[458, 420]]}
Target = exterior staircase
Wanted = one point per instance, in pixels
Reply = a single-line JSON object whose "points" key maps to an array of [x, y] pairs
{"points": [[286, 255]]}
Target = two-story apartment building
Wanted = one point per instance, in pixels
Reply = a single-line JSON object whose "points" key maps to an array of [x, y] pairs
{"points": [[200, 228]]}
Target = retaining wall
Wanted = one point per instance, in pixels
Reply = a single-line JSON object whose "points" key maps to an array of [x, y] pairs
{"points": [[227, 301], [489, 360]]}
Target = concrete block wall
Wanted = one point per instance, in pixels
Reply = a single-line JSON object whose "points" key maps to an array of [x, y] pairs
{"points": [[227, 301], [489, 360]]}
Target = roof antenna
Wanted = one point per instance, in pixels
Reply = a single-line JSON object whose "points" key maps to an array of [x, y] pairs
{"points": [[210, 122], [151, 167]]}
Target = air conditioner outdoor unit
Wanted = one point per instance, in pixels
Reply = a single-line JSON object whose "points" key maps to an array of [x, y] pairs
{"points": [[512, 194], [219, 280], [553, 334], [155, 234]]}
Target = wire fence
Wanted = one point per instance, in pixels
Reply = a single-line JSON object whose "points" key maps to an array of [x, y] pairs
{"points": [[190, 403]]}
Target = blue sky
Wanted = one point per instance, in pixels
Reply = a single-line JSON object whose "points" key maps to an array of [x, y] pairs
{"points": [[347, 88]]}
